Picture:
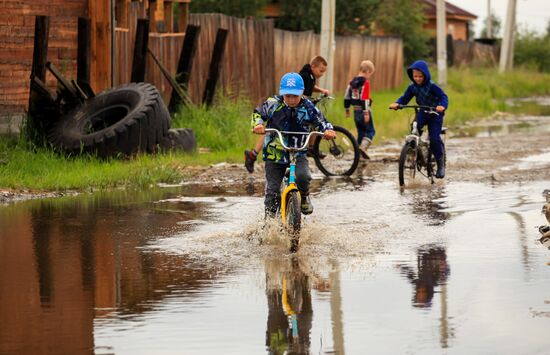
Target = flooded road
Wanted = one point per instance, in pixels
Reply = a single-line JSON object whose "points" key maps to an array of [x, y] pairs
{"points": [[455, 267]]}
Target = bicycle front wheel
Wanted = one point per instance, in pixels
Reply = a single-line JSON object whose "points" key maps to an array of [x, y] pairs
{"points": [[293, 218], [339, 156], [407, 164]]}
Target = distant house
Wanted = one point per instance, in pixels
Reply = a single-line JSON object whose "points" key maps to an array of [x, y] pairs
{"points": [[458, 20]]}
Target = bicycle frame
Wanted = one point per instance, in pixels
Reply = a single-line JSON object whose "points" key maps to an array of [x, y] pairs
{"points": [[291, 182], [414, 140]]}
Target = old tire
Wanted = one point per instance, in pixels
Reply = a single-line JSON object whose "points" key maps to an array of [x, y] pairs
{"points": [[121, 121], [179, 139]]}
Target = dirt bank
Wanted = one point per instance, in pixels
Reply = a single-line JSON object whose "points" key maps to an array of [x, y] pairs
{"points": [[499, 150]]}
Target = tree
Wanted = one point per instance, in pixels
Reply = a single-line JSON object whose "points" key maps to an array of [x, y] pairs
{"points": [[304, 15], [355, 17], [352, 17], [532, 50], [237, 8], [405, 18], [496, 24]]}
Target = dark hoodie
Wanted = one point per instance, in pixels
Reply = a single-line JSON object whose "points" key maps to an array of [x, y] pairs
{"points": [[357, 93], [427, 94], [309, 80]]}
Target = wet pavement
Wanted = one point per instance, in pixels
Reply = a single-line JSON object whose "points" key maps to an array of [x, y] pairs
{"points": [[458, 267]]}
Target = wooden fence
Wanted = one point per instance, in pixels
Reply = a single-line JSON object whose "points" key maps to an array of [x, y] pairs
{"points": [[294, 49], [256, 56], [249, 59], [475, 54]]}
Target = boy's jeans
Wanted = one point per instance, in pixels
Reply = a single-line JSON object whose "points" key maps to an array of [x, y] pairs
{"points": [[363, 129], [274, 174], [435, 123]]}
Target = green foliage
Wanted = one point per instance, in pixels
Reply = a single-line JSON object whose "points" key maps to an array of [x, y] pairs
{"points": [[496, 24], [352, 17], [44, 169], [237, 8], [405, 18], [355, 17], [532, 50], [222, 128], [299, 16]]}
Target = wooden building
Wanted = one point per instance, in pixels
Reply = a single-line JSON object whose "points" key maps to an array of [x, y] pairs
{"points": [[458, 20], [108, 17]]}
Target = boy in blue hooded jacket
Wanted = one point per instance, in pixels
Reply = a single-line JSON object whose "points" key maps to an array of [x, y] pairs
{"points": [[427, 93]]}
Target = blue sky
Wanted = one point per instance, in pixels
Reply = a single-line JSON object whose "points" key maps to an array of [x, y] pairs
{"points": [[533, 14]]}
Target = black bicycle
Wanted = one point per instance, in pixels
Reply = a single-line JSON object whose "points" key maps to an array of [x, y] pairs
{"points": [[416, 154], [339, 156]]}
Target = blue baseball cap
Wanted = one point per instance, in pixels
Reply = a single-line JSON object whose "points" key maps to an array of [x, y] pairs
{"points": [[291, 84]]}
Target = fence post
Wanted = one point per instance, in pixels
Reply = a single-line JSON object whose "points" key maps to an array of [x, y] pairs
{"points": [[450, 51], [214, 71], [40, 51], [40, 100], [185, 63], [140, 51], [83, 55]]}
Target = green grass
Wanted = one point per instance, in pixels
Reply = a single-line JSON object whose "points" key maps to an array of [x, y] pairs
{"points": [[223, 132]]}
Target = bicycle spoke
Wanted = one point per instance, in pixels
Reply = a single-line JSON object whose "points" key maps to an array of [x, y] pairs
{"points": [[339, 156]]}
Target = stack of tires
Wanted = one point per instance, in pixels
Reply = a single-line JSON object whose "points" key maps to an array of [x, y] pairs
{"points": [[118, 122]]}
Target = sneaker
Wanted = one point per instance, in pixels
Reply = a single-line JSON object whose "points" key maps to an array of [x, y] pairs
{"points": [[311, 153], [440, 173], [249, 161], [307, 206], [363, 147]]}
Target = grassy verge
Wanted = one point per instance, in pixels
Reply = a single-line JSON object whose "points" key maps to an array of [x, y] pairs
{"points": [[223, 132]]}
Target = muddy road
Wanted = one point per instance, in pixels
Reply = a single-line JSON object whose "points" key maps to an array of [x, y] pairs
{"points": [[450, 268], [504, 149]]}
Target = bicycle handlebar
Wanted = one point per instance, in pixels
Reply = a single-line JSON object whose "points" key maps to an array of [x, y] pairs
{"points": [[427, 109], [320, 98], [294, 149]]}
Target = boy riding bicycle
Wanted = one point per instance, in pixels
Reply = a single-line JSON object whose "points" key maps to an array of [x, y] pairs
{"points": [[427, 93], [310, 72], [291, 113]]}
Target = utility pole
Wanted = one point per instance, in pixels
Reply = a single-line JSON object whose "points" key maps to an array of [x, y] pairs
{"points": [[507, 49], [441, 43], [489, 20], [327, 41]]}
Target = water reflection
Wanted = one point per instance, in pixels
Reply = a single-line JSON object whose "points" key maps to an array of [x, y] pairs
{"points": [[290, 314], [65, 262], [431, 270], [545, 229], [427, 204], [500, 128], [289, 285]]}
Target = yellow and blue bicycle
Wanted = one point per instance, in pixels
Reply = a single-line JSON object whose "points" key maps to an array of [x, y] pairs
{"points": [[291, 201]]}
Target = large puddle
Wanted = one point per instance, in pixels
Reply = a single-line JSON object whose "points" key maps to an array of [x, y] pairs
{"points": [[449, 268]]}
